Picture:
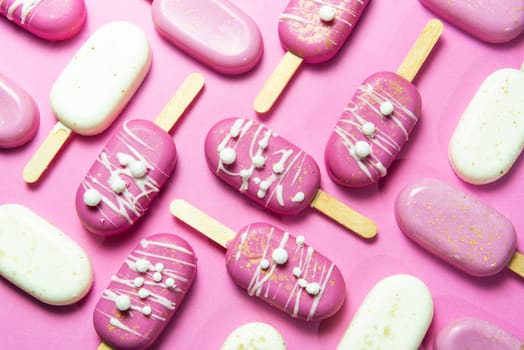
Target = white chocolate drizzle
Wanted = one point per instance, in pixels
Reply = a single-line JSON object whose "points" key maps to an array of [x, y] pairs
{"points": [[26, 5]]}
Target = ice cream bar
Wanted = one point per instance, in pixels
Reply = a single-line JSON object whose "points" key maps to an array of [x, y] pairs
{"points": [[19, 114], [311, 31], [273, 172], [473, 333], [145, 293], [395, 314], [94, 87], [272, 265], [48, 19], [377, 121], [132, 168], [458, 228], [254, 336], [214, 32], [40, 259], [491, 21], [490, 134]]}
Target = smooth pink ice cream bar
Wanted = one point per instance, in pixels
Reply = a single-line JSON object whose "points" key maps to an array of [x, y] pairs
{"points": [[145, 292], [19, 114], [262, 165], [125, 178], [473, 333], [456, 227], [316, 30], [47, 19], [374, 126], [494, 21], [285, 272], [214, 32]]}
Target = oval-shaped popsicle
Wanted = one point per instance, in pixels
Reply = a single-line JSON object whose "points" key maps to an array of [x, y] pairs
{"points": [[19, 114], [473, 333], [395, 315], [40, 259], [48, 19], [215, 32], [254, 336], [273, 172], [145, 293], [456, 227], [489, 137], [273, 265], [491, 21]]}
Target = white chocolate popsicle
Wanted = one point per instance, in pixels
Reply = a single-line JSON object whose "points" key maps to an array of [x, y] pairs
{"points": [[395, 315], [94, 88], [254, 336], [489, 136], [40, 259]]}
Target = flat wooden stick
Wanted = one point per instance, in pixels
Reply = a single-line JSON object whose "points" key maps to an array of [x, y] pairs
{"points": [[344, 215], [45, 154], [201, 222], [104, 346], [420, 50], [516, 264], [277, 82], [182, 98]]}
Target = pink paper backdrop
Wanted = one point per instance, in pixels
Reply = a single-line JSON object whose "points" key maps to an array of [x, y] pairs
{"points": [[305, 115]]}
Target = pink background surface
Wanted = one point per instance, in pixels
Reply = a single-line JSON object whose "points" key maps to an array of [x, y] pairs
{"points": [[306, 114]]}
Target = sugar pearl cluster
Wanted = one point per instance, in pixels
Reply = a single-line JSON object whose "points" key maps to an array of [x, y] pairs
{"points": [[362, 148]]}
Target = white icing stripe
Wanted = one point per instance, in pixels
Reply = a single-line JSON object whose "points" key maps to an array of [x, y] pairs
{"points": [[145, 243], [180, 261], [27, 7]]}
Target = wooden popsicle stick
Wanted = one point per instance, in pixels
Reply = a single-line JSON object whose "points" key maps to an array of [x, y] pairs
{"points": [[344, 215], [104, 346], [45, 154], [182, 98], [420, 50], [277, 82], [201, 222], [516, 264]]}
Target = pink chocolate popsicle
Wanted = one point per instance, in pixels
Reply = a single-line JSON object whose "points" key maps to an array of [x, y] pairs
{"points": [[493, 21], [145, 292], [214, 32], [274, 266], [133, 167], [377, 121], [48, 19], [271, 171], [475, 334], [19, 115], [459, 229]]}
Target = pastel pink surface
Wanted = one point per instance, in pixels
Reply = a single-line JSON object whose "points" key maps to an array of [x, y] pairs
{"points": [[494, 21], [458, 228], [267, 168], [473, 333], [215, 32], [277, 284], [390, 131], [47, 19], [305, 117], [137, 143], [302, 31], [19, 114], [134, 328]]}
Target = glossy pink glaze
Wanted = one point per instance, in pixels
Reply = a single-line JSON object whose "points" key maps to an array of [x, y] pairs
{"points": [[304, 33], [141, 142], [277, 284], [286, 179], [134, 328], [48, 19], [391, 132], [19, 114], [472, 333], [494, 21], [459, 229], [214, 32]]}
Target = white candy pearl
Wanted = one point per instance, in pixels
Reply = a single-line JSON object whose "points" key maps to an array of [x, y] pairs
{"points": [[386, 108], [146, 310], [143, 293], [170, 283], [264, 264], [300, 240], [142, 265], [362, 149], [123, 159], [138, 282], [92, 197], [159, 267], [138, 169], [157, 277], [123, 303], [302, 283], [279, 256], [228, 156], [368, 129], [313, 288], [297, 271], [117, 184], [259, 161], [327, 13]]}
